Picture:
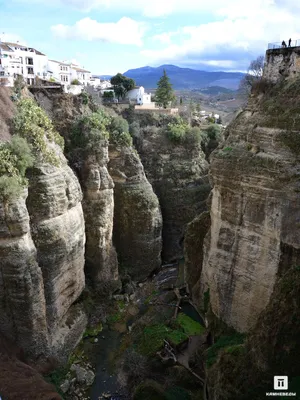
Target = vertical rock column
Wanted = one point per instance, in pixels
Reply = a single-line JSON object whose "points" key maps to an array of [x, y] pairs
{"points": [[98, 207], [137, 217], [57, 225], [22, 301]]}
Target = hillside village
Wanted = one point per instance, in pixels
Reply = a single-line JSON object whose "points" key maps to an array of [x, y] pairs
{"points": [[37, 70]]}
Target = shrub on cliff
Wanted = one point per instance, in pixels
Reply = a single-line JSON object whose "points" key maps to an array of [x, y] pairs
{"points": [[211, 137], [33, 124], [180, 132], [89, 129], [119, 132], [15, 158]]}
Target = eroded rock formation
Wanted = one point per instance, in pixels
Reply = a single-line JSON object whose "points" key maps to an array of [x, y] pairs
{"points": [[42, 263], [179, 176], [98, 206], [137, 218], [255, 206]]}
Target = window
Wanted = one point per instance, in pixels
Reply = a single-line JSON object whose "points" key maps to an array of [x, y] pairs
{"points": [[64, 78], [21, 60], [29, 70], [29, 61]]}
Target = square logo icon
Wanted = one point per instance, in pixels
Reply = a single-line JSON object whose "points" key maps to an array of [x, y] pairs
{"points": [[280, 382]]}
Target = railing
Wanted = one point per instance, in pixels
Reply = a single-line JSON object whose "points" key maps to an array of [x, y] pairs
{"points": [[278, 45]]}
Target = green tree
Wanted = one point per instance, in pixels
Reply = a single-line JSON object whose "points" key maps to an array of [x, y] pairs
{"points": [[164, 94], [108, 95], [181, 101], [122, 85]]}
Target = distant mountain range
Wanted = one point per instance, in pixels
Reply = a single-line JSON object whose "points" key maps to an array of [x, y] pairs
{"points": [[184, 78]]}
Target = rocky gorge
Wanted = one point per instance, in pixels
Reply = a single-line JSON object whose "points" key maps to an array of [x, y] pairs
{"points": [[84, 247]]}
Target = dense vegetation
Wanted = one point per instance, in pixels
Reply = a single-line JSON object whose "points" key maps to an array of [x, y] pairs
{"points": [[33, 124], [122, 85], [34, 141], [15, 158], [89, 130]]}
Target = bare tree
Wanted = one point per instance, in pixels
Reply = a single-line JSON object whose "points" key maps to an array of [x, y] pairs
{"points": [[254, 74]]}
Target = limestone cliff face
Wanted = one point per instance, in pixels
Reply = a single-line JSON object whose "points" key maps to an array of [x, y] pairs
{"points": [[178, 175], [42, 263], [255, 206], [98, 206], [22, 300], [137, 217], [97, 186]]}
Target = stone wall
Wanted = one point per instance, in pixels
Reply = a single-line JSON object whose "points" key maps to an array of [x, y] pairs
{"points": [[282, 63]]}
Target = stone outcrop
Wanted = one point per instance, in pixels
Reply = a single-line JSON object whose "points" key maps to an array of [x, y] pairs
{"points": [[19, 380], [98, 206], [42, 239], [97, 186], [137, 217], [179, 176], [255, 206], [282, 63]]}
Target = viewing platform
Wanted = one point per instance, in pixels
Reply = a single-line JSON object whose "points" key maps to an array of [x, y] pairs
{"points": [[282, 62]]}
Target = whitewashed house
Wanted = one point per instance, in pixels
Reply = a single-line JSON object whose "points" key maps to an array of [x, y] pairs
{"points": [[60, 72], [80, 74], [95, 82], [17, 59], [138, 96]]}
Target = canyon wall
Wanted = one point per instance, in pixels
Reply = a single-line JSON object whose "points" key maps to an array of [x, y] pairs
{"points": [[42, 263], [255, 206], [179, 176], [137, 218]]}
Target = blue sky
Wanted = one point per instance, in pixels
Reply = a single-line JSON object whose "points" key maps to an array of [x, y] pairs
{"points": [[110, 36]]}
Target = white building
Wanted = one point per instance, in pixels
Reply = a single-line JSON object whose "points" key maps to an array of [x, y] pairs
{"points": [[139, 96], [17, 59], [60, 72], [80, 74], [95, 82]]}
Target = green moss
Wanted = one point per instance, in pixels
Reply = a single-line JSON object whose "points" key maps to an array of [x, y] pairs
{"points": [[93, 331], [189, 326], [153, 338], [114, 318], [223, 343], [227, 149]]}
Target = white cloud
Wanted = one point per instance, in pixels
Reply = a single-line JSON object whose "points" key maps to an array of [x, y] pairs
{"points": [[164, 38], [11, 37], [126, 31], [243, 32]]}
